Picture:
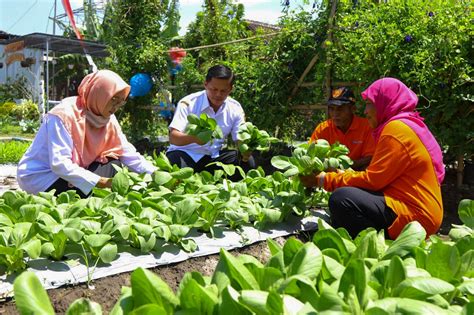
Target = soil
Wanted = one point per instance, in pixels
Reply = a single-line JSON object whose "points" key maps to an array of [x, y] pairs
{"points": [[107, 290]]}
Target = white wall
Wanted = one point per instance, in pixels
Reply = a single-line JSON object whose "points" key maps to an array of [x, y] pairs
{"points": [[33, 74]]}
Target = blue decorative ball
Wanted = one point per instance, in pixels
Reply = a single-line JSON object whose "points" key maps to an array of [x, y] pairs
{"points": [[141, 84]]}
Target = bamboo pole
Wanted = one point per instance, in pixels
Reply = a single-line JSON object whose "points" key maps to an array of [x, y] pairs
{"points": [[328, 81], [303, 76], [459, 171]]}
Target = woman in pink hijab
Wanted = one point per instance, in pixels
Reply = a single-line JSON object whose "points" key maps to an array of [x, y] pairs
{"points": [[402, 182], [80, 139]]}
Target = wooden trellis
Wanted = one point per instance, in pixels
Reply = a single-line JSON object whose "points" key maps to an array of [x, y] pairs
{"points": [[328, 83]]}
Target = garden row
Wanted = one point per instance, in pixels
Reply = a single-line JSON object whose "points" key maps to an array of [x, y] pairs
{"points": [[331, 274], [147, 211]]}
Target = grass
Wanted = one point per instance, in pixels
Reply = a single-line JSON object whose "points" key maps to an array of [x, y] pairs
{"points": [[12, 151], [14, 130]]}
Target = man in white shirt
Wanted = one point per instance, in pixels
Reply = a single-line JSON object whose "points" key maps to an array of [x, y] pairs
{"points": [[189, 151]]}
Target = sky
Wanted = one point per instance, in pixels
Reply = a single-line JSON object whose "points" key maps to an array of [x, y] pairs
{"points": [[20, 17]]}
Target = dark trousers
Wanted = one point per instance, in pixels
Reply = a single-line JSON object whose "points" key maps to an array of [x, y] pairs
{"points": [[103, 170], [356, 209], [182, 159]]}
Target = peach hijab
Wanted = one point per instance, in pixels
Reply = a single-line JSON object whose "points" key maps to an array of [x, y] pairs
{"points": [[95, 138]]}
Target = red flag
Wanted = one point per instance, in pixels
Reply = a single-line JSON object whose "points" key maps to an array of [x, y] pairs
{"points": [[67, 8]]}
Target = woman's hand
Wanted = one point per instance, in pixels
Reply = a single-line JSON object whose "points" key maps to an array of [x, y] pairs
{"points": [[104, 182], [313, 180]]}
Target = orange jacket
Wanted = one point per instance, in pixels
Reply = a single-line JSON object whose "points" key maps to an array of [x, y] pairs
{"points": [[358, 138], [402, 169]]}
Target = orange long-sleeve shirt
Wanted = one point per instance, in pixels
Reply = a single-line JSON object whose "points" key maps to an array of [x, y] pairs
{"points": [[402, 169], [358, 138]]}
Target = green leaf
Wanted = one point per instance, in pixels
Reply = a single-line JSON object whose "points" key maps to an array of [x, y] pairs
{"points": [[147, 245], [443, 261], [330, 300], [230, 303], [255, 300], [307, 261], [161, 178], [147, 288], [274, 303], [411, 236], [301, 288], [84, 306], [188, 245], [265, 276], [290, 248], [149, 309], [239, 276], [193, 119], [329, 238], [354, 276], [467, 265], [32, 248], [73, 234], [205, 136], [281, 162], [332, 267], [185, 209], [97, 240], [30, 212], [120, 183], [183, 173], [466, 212], [30, 297], [108, 253], [420, 288], [403, 306], [396, 273], [195, 297], [273, 246], [125, 303]]}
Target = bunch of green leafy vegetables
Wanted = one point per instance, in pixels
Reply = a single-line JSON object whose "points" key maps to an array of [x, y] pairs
{"points": [[203, 127], [142, 211], [253, 139], [332, 273], [313, 157]]}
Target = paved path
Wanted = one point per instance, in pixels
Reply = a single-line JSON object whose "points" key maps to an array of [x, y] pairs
{"points": [[8, 178]]}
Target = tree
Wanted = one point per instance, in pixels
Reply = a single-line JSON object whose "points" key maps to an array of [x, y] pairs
{"points": [[138, 33], [427, 45], [219, 21]]}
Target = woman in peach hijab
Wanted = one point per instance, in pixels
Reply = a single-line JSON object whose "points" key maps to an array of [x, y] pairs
{"points": [[80, 139]]}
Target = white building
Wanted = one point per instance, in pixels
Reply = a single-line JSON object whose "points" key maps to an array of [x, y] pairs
{"points": [[30, 57]]}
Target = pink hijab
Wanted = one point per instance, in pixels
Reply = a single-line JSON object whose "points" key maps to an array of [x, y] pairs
{"points": [[95, 137], [393, 100]]}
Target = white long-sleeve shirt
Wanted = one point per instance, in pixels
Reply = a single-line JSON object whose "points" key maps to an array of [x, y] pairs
{"points": [[229, 117], [50, 157]]}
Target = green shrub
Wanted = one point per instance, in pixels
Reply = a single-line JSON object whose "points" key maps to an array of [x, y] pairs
{"points": [[6, 109]]}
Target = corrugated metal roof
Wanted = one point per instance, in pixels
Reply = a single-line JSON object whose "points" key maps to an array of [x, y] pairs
{"points": [[60, 44]]}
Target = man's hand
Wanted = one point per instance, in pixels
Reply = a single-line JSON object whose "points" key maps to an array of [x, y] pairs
{"points": [[180, 138], [104, 182], [313, 180]]}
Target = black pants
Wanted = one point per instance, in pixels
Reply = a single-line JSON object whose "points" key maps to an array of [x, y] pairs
{"points": [[182, 159], [356, 209], [103, 170]]}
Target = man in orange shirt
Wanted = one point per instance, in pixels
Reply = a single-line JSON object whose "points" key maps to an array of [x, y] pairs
{"points": [[345, 127]]}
